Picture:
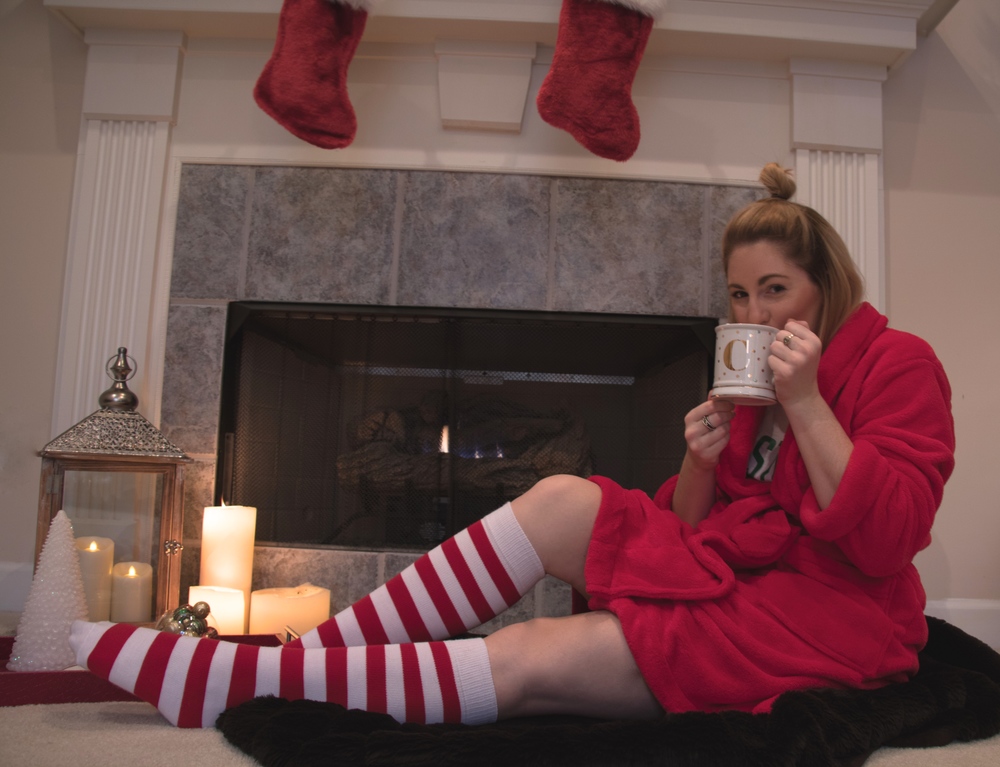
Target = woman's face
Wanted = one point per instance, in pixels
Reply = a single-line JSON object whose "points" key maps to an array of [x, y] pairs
{"points": [[765, 288]]}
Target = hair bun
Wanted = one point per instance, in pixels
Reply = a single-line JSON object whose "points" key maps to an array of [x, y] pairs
{"points": [[778, 181]]}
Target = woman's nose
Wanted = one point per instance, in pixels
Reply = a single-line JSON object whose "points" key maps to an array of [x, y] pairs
{"points": [[757, 314]]}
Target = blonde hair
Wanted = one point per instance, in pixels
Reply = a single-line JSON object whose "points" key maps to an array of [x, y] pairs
{"points": [[806, 239]]}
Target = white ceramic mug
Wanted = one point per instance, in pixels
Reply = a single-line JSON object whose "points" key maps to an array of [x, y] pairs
{"points": [[742, 372]]}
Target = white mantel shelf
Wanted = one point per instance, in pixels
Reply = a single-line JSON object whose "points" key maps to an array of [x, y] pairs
{"points": [[876, 32]]}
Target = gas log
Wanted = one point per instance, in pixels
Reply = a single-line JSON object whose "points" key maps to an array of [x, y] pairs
{"points": [[492, 442]]}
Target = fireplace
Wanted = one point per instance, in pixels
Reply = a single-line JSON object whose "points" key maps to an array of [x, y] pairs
{"points": [[383, 428], [615, 261]]}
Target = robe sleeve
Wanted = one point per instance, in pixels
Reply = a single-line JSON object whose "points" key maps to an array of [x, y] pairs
{"points": [[901, 425]]}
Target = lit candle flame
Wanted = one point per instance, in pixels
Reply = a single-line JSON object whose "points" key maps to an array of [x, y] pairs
{"points": [[444, 439], [93, 545], [131, 571]]}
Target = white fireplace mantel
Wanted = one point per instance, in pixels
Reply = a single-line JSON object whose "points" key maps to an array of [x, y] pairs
{"points": [[881, 32]]}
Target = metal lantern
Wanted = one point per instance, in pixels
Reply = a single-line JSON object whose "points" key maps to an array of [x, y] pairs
{"points": [[119, 479]]}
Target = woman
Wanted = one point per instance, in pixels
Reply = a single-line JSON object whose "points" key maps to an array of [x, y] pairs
{"points": [[722, 592]]}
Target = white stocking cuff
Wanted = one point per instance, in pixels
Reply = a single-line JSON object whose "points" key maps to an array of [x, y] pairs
{"points": [[83, 638], [470, 662], [359, 5], [513, 547], [647, 7]]}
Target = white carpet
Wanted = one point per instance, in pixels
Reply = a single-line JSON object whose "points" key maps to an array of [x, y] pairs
{"points": [[980, 753], [107, 735], [111, 734]]}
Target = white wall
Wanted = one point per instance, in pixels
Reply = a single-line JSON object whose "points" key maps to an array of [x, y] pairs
{"points": [[941, 157], [41, 90], [701, 120], [942, 180]]}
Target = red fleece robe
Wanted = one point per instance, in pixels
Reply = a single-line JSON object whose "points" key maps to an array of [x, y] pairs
{"points": [[769, 593]]}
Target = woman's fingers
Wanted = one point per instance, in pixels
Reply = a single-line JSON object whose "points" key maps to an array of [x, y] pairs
{"points": [[706, 429]]}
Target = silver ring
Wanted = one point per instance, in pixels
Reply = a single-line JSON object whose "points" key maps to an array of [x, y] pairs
{"points": [[787, 340], [708, 424]]}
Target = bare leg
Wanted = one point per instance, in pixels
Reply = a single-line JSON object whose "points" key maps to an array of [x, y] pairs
{"points": [[557, 515], [477, 574], [578, 664]]}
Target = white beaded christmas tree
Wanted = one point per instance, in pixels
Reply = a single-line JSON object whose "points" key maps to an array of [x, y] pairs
{"points": [[55, 600]]}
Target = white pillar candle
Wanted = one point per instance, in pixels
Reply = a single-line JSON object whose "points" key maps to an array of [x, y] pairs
{"points": [[97, 555], [300, 608], [227, 607], [131, 592], [227, 539]]}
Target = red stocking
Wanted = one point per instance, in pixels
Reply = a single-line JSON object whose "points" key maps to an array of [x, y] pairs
{"points": [[588, 91], [304, 84]]}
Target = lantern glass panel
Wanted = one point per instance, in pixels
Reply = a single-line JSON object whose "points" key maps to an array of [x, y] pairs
{"points": [[123, 506]]}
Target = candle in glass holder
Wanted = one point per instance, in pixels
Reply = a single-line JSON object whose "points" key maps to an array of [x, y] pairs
{"points": [[227, 539], [300, 608], [96, 555], [227, 607], [131, 592]]}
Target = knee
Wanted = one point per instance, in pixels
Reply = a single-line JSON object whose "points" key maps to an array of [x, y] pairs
{"points": [[560, 504], [567, 489], [518, 662], [558, 515]]}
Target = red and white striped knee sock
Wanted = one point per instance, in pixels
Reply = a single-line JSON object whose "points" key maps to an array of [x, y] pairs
{"points": [[462, 583], [191, 681]]}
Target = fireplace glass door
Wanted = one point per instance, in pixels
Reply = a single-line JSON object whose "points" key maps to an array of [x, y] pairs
{"points": [[387, 428]]}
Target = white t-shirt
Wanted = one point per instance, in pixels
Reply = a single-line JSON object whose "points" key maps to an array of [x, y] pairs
{"points": [[764, 455]]}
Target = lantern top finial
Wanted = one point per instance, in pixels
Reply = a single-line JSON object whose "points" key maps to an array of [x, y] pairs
{"points": [[116, 429], [119, 397]]}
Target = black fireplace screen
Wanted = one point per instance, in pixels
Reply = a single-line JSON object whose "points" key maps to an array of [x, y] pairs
{"points": [[383, 428]]}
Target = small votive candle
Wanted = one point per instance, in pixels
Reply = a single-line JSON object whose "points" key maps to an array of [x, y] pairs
{"points": [[228, 607], [131, 592], [97, 555]]}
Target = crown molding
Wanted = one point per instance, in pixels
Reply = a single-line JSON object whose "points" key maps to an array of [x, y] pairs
{"points": [[878, 32]]}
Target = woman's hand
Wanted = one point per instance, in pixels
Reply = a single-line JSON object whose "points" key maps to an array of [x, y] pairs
{"points": [[706, 431], [823, 443], [794, 359]]}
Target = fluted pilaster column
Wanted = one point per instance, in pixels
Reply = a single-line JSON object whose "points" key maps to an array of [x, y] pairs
{"points": [[837, 138], [109, 288]]}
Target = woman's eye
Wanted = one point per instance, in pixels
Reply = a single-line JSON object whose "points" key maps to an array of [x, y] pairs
{"points": [[776, 288], [737, 294]]}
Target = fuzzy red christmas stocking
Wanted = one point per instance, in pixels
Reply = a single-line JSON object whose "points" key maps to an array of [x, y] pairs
{"points": [[588, 90], [304, 84]]}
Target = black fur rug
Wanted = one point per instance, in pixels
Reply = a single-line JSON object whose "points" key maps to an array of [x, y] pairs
{"points": [[954, 697]]}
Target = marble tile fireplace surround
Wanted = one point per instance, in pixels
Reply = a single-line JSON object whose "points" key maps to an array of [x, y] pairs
{"points": [[413, 239]]}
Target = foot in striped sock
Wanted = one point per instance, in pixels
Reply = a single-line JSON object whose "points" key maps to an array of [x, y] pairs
{"points": [[462, 583], [191, 681]]}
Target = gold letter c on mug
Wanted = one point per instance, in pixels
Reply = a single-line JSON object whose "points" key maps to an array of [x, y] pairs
{"points": [[727, 355]]}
